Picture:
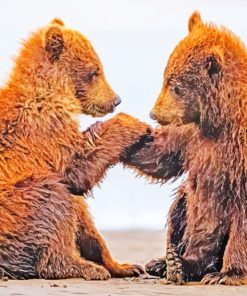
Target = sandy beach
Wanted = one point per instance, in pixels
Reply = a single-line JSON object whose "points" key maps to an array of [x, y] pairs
{"points": [[126, 246]]}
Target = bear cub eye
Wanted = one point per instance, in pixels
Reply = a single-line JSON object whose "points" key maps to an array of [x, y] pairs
{"points": [[176, 90], [93, 75]]}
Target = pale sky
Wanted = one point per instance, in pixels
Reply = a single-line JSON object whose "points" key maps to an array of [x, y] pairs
{"points": [[133, 39]]}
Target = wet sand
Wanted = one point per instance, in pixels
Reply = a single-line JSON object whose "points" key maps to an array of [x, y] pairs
{"points": [[126, 246]]}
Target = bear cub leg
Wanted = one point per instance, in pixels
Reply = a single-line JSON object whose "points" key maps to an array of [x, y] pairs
{"points": [[164, 267], [93, 247], [234, 269]]}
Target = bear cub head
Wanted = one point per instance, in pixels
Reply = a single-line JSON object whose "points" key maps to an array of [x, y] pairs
{"points": [[203, 79], [59, 62]]}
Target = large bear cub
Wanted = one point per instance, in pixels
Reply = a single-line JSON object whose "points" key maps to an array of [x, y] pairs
{"points": [[203, 103], [45, 161]]}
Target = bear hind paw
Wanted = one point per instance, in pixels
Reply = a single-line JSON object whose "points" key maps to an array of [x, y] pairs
{"points": [[175, 272], [157, 267], [222, 278]]}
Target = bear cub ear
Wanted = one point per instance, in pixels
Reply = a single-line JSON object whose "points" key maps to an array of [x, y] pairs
{"points": [[54, 42], [57, 21], [195, 21]]}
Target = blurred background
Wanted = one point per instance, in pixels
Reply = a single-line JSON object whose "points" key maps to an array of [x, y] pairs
{"points": [[133, 39]]}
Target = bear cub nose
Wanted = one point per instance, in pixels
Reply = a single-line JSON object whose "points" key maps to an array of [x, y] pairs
{"points": [[117, 101], [152, 115]]}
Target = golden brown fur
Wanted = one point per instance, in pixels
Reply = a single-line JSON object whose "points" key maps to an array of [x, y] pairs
{"points": [[45, 231], [204, 102]]}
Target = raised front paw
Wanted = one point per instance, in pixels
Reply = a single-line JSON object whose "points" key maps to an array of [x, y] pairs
{"points": [[130, 127], [175, 272], [157, 267], [126, 270], [130, 152], [222, 278], [92, 134]]}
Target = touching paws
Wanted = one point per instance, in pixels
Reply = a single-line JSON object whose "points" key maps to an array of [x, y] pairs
{"points": [[134, 126], [131, 151]]}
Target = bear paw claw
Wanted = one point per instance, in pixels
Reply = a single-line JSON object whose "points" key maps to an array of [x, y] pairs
{"points": [[175, 272], [126, 270]]}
